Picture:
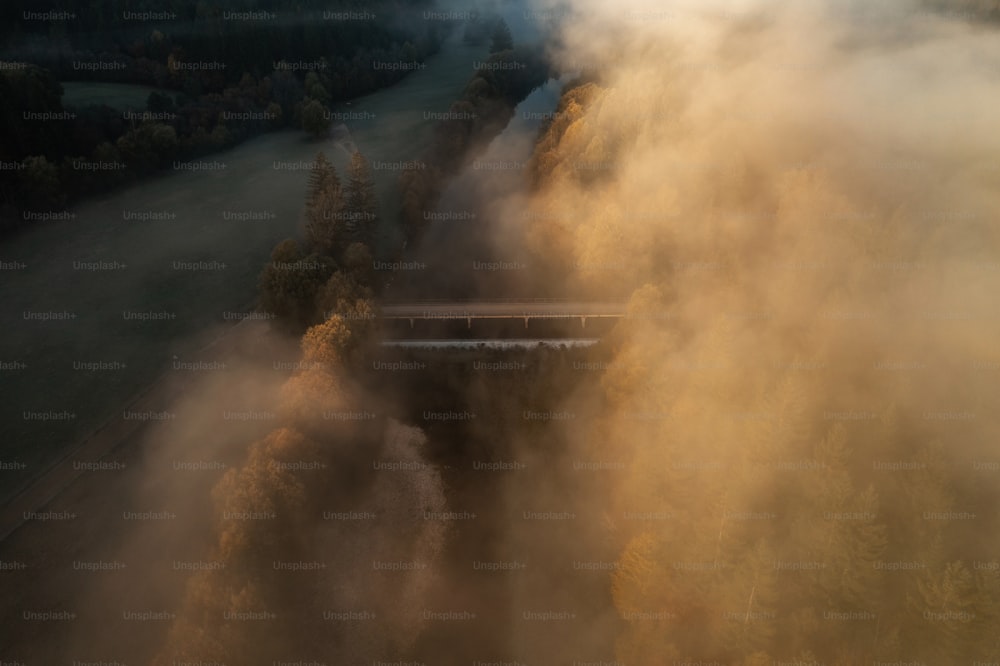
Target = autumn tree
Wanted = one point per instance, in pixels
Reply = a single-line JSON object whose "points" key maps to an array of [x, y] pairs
{"points": [[420, 189], [360, 202], [330, 351], [289, 283], [340, 295], [262, 510], [638, 586], [324, 225]]}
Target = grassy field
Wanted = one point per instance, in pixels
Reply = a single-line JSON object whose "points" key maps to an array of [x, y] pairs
{"points": [[122, 96], [195, 229]]}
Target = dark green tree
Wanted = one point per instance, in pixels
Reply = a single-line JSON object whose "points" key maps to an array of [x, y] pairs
{"points": [[148, 145], [39, 182], [314, 88], [357, 262], [315, 118], [502, 39], [29, 90], [475, 30], [158, 102]]}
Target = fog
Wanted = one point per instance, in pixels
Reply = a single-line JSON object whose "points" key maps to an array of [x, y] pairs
{"points": [[785, 452], [800, 199]]}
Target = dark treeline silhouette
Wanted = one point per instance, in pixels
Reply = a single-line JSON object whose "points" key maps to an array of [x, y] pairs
{"points": [[220, 82], [305, 283], [154, 52], [323, 285], [304, 280], [484, 109]]}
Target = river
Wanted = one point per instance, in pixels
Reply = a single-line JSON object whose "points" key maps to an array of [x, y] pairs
{"points": [[391, 126], [122, 291], [474, 242]]}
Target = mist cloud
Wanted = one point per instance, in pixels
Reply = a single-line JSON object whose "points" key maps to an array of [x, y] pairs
{"points": [[800, 201]]}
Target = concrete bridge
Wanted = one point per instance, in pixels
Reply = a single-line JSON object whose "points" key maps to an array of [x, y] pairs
{"points": [[494, 310]]}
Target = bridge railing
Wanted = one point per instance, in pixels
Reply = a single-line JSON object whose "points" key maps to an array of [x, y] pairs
{"points": [[481, 301]]}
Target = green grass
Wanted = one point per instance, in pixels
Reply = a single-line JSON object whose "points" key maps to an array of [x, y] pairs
{"points": [[149, 283], [121, 96]]}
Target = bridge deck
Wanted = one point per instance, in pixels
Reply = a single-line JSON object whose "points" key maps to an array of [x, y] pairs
{"points": [[502, 310], [508, 344]]}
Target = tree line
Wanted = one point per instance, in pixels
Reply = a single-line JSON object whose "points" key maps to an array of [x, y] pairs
{"points": [[263, 87], [304, 280], [485, 107], [304, 283], [270, 510], [323, 288]]}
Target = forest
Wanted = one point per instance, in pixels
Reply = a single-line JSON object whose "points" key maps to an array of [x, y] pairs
{"points": [[218, 82]]}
